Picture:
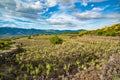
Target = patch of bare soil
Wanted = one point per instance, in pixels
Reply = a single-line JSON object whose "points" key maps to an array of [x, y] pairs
{"points": [[9, 53]]}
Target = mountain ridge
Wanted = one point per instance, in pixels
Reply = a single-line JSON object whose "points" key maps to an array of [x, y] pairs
{"points": [[12, 32]]}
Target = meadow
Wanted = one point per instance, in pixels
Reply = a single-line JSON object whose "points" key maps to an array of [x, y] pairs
{"points": [[78, 58]]}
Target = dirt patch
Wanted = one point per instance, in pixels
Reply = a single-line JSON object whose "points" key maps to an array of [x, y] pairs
{"points": [[111, 70], [9, 53]]}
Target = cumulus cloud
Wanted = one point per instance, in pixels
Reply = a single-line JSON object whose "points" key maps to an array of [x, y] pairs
{"points": [[88, 15], [51, 3], [97, 9], [20, 9], [113, 15], [62, 19], [95, 13], [97, 0], [85, 2], [22, 5]]}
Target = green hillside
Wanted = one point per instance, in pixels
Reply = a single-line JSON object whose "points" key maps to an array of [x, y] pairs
{"points": [[113, 30]]}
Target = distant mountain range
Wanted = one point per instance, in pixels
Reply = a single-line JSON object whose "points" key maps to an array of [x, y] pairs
{"points": [[12, 32]]}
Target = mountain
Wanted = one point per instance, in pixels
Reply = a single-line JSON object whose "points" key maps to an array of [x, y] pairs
{"points": [[11, 32], [113, 30]]}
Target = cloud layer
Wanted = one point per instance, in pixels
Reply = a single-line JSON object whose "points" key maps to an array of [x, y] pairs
{"points": [[59, 14]]}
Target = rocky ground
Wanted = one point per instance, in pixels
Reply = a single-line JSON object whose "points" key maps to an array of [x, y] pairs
{"points": [[109, 71]]}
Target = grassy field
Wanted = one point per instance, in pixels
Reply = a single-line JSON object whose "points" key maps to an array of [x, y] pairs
{"points": [[42, 60]]}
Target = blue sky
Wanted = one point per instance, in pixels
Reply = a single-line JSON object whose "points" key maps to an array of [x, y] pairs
{"points": [[59, 14]]}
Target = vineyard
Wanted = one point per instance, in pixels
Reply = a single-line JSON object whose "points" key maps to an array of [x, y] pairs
{"points": [[76, 58]]}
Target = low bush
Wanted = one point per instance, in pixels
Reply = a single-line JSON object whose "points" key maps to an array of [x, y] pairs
{"points": [[4, 44], [56, 40], [29, 37]]}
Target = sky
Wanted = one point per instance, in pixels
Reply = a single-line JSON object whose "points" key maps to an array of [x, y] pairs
{"points": [[59, 14]]}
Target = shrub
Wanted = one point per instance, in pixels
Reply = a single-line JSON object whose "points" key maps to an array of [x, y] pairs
{"points": [[112, 33], [56, 40], [4, 44], [100, 33], [29, 37]]}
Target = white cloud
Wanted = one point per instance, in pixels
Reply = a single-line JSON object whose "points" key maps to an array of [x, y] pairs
{"points": [[97, 9], [62, 19], [37, 5], [85, 2], [88, 15], [32, 5], [51, 3], [24, 9], [68, 1], [97, 0], [113, 15], [94, 13]]}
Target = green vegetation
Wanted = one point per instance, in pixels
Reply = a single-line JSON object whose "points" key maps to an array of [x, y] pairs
{"points": [[56, 40], [5, 43], [29, 37], [113, 30], [42, 60]]}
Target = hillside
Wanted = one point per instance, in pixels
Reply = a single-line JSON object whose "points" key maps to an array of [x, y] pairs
{"points": [[113, 30]]}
